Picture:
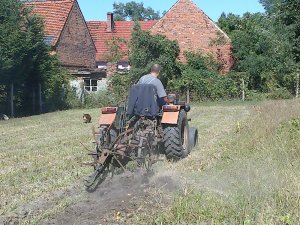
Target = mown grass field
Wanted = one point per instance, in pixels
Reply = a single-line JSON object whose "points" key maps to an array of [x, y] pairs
{"points": [[246, 169], [41, 158]]}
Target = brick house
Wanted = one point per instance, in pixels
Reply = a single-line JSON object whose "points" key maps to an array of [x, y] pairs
{"points": [[67, 33], [184, 22], [194, 30], [105, 31], [82, 46]]}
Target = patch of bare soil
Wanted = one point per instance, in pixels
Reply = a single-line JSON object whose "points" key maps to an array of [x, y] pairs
{"points": [[121, 199]]}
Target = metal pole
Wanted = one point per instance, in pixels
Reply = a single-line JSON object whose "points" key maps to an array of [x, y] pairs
{"points": [[63, 92], [12, 110], [188, 96]]}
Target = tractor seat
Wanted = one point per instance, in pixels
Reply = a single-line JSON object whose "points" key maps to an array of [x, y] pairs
{"points": [[143, 101]]}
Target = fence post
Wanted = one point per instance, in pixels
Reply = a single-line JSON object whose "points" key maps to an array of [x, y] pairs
{"points": [[188, 96], [40, 99], [63, 92], [12, 109], [297, 85], [243, 91]]}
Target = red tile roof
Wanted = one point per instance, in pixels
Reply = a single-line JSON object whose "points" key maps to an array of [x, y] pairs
{"points": [[54, 13], [122, 29]]}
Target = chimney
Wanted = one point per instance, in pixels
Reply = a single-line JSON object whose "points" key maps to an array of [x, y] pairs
{"points": [[110, 22]]}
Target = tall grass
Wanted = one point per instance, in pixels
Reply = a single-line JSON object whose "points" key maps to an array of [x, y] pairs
{"points": [[256, 179]]}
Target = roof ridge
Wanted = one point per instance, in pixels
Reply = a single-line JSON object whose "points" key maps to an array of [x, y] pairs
{"points": [[216, 26], [210, 20], [47, 1]]}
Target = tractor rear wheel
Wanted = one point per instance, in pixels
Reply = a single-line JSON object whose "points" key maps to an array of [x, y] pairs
{"points": [[176, 138]]}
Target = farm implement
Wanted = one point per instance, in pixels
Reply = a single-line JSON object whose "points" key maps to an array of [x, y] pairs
{"points": [[140, 131]]}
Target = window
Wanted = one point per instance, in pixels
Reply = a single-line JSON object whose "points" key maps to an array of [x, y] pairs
{"points": [[90, 85]]}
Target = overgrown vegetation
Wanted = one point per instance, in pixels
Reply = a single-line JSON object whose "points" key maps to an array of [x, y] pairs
{"points": [[145, 50], [200, 74], [266, 46], [254, 179], [201, 77]]}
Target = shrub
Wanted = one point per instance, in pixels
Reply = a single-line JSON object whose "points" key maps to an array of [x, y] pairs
{"points": [[120, 85], [280, 93], [88, 100]]}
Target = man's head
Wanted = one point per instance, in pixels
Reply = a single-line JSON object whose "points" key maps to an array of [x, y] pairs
{"points": [[155, 69]]}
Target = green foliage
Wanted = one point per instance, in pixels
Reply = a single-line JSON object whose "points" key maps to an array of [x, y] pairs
{"points": [[289, 16], [24, 57], [262, 50], [115, 52], [89, 100], [99, 99], [121, 83], [200, 76], [134, 11], [147, 49]]}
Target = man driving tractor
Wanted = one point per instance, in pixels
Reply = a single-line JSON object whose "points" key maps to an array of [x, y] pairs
{"points": [[152, 78]]}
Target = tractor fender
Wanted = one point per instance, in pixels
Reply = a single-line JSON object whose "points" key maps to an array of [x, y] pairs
{"points": [[108, 117], [170, 116]]}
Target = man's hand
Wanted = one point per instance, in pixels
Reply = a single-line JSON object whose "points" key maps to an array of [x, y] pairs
{"points": [[166, 100]]}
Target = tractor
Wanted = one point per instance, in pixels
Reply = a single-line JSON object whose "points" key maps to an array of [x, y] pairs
{"points": [[140, 130]]}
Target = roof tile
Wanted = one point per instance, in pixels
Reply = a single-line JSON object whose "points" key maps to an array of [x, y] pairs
{"points": [[122, 29], [54, 14]]}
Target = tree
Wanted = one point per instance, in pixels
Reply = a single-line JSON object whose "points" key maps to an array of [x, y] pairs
{"points": [[262, 50], [289, 16], [24, 57], [147, 49], [286, 15], [134, 11], [144, 51], [270, 5]]}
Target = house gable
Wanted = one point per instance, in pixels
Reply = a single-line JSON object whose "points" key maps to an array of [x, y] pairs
{"points": [[195, 31], [75, 45]]}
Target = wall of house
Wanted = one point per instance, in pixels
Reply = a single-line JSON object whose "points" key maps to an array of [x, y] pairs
{"points": [[75, 46], [193, 30]]}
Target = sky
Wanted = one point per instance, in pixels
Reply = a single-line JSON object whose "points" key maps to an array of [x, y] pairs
{"points": [[97, 9]]}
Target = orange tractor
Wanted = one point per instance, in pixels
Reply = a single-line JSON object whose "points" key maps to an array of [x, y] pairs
{"points": [[140, 131]]}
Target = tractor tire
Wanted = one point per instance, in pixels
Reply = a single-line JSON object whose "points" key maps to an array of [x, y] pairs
{"points": [[176, 138], [193, 137]]}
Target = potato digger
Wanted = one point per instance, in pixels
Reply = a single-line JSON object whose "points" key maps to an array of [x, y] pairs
{"points": [[140, 130]]}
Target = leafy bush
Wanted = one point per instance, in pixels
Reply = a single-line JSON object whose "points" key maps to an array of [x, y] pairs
{"points": [[99, 99], [279, 93], [89, 100], [147, 49], [120, 84], [201, 77], [206, 85]]}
